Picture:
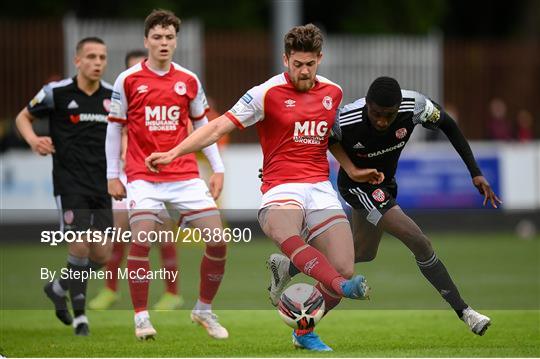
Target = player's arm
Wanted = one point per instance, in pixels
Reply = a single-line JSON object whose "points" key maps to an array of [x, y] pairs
{"points": [[450, 128], [40, 106], [203, 137], [42, 145], [370, 175], [114, 140], [214, 158]]}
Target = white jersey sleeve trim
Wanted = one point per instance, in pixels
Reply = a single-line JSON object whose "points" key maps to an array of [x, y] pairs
{"points": [[250, 107]]}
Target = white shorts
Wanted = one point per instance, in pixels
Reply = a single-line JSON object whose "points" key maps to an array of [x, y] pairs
{"points": [[191, 198], [318, 201]]}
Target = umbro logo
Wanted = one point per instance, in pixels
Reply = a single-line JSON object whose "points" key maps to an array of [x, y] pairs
{"points": [[142, 89], [73, 104], [358, 146], [290, 103]]}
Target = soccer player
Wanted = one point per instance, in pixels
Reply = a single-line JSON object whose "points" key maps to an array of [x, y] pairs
{"points": [[294, 112], [372, 132], [155, 100], [77, 109], [108, 295]]}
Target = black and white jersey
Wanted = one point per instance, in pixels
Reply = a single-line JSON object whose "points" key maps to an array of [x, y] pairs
{"points": [[78, 126], [369, 148]]}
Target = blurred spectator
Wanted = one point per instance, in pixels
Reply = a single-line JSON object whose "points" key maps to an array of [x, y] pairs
{"points": [[498, 126], [524, 126]]}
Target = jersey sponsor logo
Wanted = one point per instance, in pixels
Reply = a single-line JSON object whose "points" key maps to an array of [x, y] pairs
{"points": [[141, 89], [327, 102], [246, 98], [107, 105], [310, 132], [161, 118], [378, 195], [290, 103], [88, 117], [180, 88], [38, 98], [73, 104], [382, 152], [400, 133], [358, 146]]}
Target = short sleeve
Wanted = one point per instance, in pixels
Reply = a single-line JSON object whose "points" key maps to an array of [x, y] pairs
{"points": [[199, 105], [249, 109], [426, 112], [118, 112], [43, 103]]}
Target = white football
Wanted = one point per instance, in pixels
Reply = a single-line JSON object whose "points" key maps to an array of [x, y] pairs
{"points": [[301, 306]]}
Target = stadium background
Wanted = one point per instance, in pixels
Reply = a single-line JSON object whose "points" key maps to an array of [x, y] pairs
{"points": [[461, 54]]}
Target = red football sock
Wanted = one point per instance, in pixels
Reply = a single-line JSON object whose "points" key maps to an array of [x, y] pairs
{"points": [[113, 264], [312, 262], [168, 262], [138, 286], [212, 269], [331, 299]]}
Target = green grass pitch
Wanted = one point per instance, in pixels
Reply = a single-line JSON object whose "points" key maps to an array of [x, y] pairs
{"points": [[497, 274]]}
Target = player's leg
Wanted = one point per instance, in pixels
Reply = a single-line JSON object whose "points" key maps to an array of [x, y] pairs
{"points": [[397, 223], [109, 294], [212, 269], [199, 210], [366, 236], [169, 261]]}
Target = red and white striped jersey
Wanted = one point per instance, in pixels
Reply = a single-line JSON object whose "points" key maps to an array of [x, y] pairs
{"points": [[157, 108], [293, 127]]}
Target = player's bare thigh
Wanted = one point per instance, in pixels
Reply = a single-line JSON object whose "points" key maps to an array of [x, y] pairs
{"points": [[212, 226], [366, 236], [280, 222], [337, 245]]}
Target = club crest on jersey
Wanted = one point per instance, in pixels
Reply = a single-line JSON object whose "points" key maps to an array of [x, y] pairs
{"points": [[107, 105], [68, 216], [290, 103], [378, 195], [180, 88], [327, 102], [401, 133]]}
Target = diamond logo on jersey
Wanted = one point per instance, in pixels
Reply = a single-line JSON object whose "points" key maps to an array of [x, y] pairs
{"points": [[142, 89], [378, 195], [107, 105], [401, 133], [73, 104], [68, 216], [290, 103], [180, 88], [358, 146], [74, 118], [327, 102]]}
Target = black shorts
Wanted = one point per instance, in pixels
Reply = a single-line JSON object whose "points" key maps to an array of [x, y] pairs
{"points": [[82, 212], [374, 199]]}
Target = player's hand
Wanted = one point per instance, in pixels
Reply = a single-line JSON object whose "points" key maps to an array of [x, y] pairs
{"points": [[42, 145], [116, 189], [484, 188], [216, 184], [158, 158], [370, 175]]}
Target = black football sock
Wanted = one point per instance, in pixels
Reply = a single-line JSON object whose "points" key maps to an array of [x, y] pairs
{"points": [[435, 272], [77, 286]]}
